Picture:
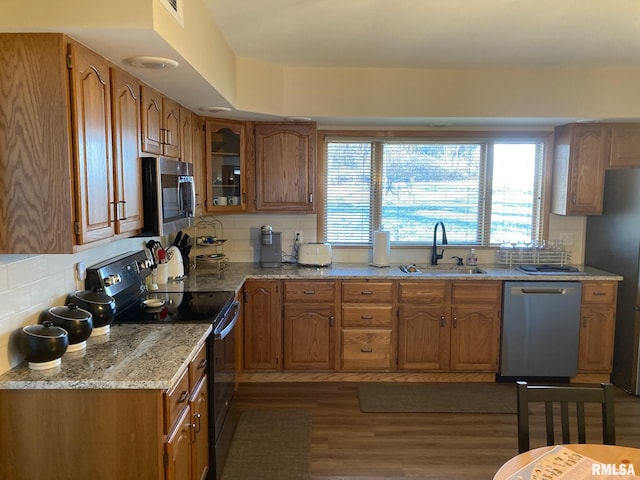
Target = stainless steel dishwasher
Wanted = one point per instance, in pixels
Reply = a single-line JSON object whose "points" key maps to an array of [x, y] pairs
{"points": [[540, 329]]}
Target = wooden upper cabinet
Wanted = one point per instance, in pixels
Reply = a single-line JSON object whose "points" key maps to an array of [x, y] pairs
{"points": [[625, 146], [36, 165], [91, 109], [186, 135], [125, 110], [160, 123], [285, 167], [581, 152]]}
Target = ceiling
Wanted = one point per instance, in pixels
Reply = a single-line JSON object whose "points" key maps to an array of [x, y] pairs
{"points": [[429, 33]]}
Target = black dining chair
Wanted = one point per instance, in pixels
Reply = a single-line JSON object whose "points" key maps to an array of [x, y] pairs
{"points": [[552, 395]]}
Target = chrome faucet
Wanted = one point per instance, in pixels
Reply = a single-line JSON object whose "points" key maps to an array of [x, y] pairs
{"points": [[435, 256]]}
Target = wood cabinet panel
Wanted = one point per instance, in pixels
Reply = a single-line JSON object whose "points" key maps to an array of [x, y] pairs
{"points": [[78, 432], [625, 146], [477, 292], [310, 291], [597, 326], [151, 119], [198, 367], [91, 108], [125, 111], [176, 399], [35, 145], [423, 337], [199, 404], [178, 448], [581, 151], [285, 171], [262, 325], [367, 292], [474, 337], [186, 135], [309, 336], [423, 292], [367, 316], [171, 126], [367, 349]]}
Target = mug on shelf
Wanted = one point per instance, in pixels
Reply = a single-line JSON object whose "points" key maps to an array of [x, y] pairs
{"points": [[234, 200], [219, 200]]}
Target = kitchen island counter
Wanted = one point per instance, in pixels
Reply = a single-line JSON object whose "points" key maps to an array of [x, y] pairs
{"points": [[140, 356]]}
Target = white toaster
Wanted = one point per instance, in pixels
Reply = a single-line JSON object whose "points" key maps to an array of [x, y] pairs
{"points": [[314, 254]]}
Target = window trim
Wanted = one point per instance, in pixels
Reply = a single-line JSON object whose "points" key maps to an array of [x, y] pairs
{"points": [[432, 135]]}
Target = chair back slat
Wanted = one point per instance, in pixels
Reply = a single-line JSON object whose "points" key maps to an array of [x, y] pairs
{"points": [[565, 396]]}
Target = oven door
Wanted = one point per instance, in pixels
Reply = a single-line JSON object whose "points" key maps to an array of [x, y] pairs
{"points": [[223, 385]]}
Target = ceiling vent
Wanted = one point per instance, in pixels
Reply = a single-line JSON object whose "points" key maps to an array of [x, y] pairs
{"points": [[175, 9]]}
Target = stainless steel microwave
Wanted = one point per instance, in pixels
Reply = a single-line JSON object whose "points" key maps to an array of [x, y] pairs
{"points": [[169, 196]]}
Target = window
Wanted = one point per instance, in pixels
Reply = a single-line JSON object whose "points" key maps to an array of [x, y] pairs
{"points": [[485, 191]]}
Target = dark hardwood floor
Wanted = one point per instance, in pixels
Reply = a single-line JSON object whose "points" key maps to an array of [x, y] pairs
{"points": [[349, 444]]}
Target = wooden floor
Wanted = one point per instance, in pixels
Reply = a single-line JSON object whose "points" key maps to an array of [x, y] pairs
{"points": [[349, 444]]}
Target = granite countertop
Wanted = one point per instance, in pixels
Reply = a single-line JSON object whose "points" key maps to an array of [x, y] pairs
{"points": [[151, 356], [204, 277], [141, 356]]}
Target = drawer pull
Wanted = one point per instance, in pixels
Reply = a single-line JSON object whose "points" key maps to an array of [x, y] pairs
{"points": [[600, 294], [366, 292], [203, 363], [366, 350], [367, 317], [309, 292], [183, 397]]}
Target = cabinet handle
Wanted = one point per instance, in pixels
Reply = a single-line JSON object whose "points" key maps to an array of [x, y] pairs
{"points": [[573, 199], [192, 433], [183, 397], [366, 350], [332, 321], [311, 198], [309, 292], [455, 322], [584, 322], [366, 292], [198, 418], [168, 142], [442, 321], [366, 317]]}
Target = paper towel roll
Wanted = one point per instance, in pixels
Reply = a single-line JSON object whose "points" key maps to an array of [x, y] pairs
{"points": [[381, 248]]}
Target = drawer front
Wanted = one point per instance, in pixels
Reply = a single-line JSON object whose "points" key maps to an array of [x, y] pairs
{"points": [[423, 292], [599, 292], [198, 366], [477, 292], [369, 292], [367, 316], [366, 349], [310, 291], [175, 400]]}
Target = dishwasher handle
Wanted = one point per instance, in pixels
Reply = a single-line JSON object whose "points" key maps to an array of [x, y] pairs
{"points": [[541, 291]]}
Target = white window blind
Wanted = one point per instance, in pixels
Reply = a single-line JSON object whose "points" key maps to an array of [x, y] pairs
{"points": [[485, 191]]}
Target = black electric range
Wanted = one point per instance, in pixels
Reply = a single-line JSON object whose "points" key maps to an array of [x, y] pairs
{"points": [[124, 279]]}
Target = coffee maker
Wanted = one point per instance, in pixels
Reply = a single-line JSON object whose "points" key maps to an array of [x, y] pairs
{"points": [[270, 247]]}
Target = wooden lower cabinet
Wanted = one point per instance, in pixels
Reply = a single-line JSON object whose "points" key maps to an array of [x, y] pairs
{"points": [[368, 323], [262, 342], [597, 327], [107, 434], [449, 326], [309, 325]]}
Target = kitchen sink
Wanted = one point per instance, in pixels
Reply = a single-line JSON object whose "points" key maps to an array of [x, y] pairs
{"points": [[413, 269]]}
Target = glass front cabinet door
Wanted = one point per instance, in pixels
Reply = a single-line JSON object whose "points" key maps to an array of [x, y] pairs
{"points": [[225, 146]]}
